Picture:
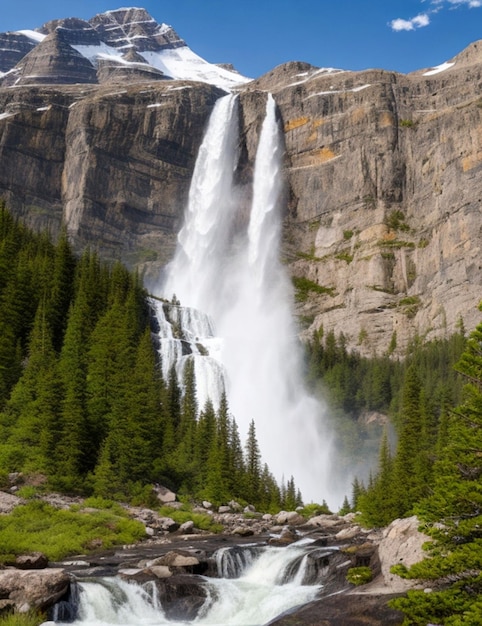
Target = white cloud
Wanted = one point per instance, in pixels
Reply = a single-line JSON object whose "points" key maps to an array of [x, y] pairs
{"points": [[472, 4], [423, 19], [419, 21]]}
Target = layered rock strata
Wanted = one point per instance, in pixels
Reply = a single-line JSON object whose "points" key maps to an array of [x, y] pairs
{"points": [[383, 185]]}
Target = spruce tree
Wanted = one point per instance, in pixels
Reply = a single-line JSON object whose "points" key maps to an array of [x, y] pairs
{"points": [[253, 466]]}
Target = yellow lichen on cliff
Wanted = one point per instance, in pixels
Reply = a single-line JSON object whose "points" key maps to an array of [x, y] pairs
{"points": [[314, 157], [471, 161], [386, 119], [315, 124], [296, 123], [357, 115]]}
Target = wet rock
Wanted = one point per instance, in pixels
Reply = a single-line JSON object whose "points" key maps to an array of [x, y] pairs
{"points": [[343, 610], [286, 537], [182, 596]]}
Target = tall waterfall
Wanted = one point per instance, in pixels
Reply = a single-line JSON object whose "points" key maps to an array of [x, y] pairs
{"points": [[235, 277]]}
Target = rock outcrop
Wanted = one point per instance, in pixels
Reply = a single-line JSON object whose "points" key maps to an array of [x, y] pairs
{"points": [[23, 590], [383, 185]]}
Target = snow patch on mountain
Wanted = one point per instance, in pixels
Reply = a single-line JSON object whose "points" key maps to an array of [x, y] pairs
{"points": [[178, 63], [32, 34], [182, 63], [439, 68]]}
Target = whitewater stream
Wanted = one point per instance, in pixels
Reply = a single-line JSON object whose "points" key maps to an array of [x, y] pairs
{"points": [[256, 588]]}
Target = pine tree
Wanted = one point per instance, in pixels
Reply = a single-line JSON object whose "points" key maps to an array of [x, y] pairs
{"points": [[253, 466], [409, 485], [34, 403]]}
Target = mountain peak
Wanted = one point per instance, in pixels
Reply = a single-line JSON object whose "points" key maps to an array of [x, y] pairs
{"points": [[134, 28], [125, 43]]}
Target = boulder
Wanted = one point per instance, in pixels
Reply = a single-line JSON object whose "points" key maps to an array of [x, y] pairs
{"points": [[33, 589], [243, 531], [160, 571], [286, 537], [167, 524], [164, 495], [8, 502], [348, 533], [187, 528], [35, 560], [290, 517], [325, 521], [401, 544], [181, 596]]}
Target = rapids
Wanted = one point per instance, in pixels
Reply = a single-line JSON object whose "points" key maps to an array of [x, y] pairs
{"points": [[261, 586]]}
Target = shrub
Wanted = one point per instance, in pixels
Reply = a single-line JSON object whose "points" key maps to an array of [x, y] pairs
{"points": [[359, 575]]}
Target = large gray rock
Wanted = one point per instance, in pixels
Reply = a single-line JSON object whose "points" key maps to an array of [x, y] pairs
{"points": [[33, 589], [401, 544]]}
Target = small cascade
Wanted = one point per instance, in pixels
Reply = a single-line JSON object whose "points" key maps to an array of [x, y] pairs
{"points": [[232, 561], [66, 610], [186, 334]]}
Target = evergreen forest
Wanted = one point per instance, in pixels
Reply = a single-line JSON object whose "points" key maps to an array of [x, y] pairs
{"points": [[83, 406]]}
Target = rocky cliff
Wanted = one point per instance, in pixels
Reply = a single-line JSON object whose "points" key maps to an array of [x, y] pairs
{"points": [[383, 170]]}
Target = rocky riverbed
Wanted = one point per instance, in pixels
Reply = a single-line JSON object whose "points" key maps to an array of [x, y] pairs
{"points": [[177, 558]]}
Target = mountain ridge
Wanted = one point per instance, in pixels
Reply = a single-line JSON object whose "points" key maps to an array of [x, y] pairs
{"points": [[108, 36]]}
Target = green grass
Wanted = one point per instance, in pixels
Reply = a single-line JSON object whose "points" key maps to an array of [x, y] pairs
{"points": [[32, 618], [305, 286], [37, 526], [344, 256]]}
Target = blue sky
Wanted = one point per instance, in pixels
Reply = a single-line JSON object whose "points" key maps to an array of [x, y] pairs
{"points": [[257, 35]]}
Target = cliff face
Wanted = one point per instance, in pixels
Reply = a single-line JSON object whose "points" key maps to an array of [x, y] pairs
{"points": [[386, 191], [383, 173]]}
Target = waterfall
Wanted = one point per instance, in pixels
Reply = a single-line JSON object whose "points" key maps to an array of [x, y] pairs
{"points": [[235, 277], [267, 585]]}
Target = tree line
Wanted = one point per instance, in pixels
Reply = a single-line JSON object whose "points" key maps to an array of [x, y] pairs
{"points": [[433, 398], [82, 398]]}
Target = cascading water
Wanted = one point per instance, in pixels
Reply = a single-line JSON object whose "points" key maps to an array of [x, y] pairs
{"points": [[266, 586], [237, 279]]}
